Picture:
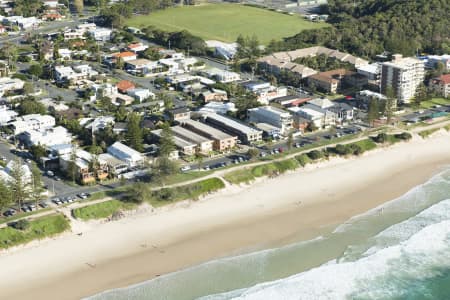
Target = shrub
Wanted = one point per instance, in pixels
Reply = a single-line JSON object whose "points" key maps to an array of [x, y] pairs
{"points": [[303, 159], [286, 165], [404, 136], [21, 224], [381, 138], [315, 154]]}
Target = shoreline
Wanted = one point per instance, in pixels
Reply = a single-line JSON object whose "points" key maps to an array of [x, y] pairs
{"points": [[296, 206]]}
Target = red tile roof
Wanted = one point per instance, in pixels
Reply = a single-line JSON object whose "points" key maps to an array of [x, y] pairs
{"points": [[124, 54], [445, 78], [125, 85]]}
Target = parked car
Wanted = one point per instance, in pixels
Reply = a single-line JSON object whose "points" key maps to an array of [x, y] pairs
{"points": [[50, 173], [185, 168], [43, 204], [10, 212]]}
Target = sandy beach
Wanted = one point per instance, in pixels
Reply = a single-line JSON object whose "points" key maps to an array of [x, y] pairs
{"points": [[271, 212]]}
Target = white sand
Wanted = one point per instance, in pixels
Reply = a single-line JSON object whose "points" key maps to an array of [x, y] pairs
{"points": [[114, 254]]}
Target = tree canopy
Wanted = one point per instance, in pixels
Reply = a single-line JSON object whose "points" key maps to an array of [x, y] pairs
{"points": [[369, 27]]}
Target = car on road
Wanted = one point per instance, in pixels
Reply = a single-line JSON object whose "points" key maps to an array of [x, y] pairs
{"points": [[57, 178], [50, 173], [83, 195], [297, 145], [185, 168]]}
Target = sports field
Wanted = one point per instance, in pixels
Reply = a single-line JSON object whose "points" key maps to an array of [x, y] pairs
{"points": [[225, 22]]}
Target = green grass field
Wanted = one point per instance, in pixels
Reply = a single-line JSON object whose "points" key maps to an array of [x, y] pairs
{"points": [[434, 101], [101, 210], [225, 22], [40, 228]]}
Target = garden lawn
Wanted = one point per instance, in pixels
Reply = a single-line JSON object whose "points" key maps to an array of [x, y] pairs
{"points": [[434, 101], [224, 22]]}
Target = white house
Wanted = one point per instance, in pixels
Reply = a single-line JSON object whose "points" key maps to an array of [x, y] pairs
{"points": [[96, 124], [101, 34], [84, 71], [223, 76], [141, 94], [309, 114], [225, 50], [32, 122], [6, 115], [47, 136], [10, 166], [126, 154], [65, 53], [218, 107], [273, 116], [137, 47], [10, 84]]}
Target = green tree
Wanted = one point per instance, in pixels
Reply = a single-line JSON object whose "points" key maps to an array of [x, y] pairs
{"points": [[79, 6], [421, 94], [391, 104], [134, 135], [166, 142], [36, 183], [71, 170], [5, 195], [28, 88], [36, 70], [253, 153], [290, 141], [18, 183], [373, 112]]}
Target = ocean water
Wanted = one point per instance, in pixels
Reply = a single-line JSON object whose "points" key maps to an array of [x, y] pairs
{"points": [[400, 250]]}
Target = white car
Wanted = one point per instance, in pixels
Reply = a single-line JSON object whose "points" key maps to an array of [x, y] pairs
{"points": [[185, 168]]}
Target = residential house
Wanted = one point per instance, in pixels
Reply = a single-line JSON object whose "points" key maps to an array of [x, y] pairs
{"points": [[141, 94], [46, 136], [143, 66], [115, 165], [85, 171], [125, 56], [220, 75], [214, 95], [137, 47], [101, 34], [264, 91], [69, 74], [333, 81], [6, 115], [291, 100], [98, 123], [32, 122], [343, 111], [222, 141], [304, 116], [245, 133], [124, 86], [223, 50], [441, 85], [10, 84], [126, 154], [180, 113], [218, 107], [273, 116]]}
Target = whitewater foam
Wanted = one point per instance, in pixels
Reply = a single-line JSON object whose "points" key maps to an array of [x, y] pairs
{"points": [[379, 275]]}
